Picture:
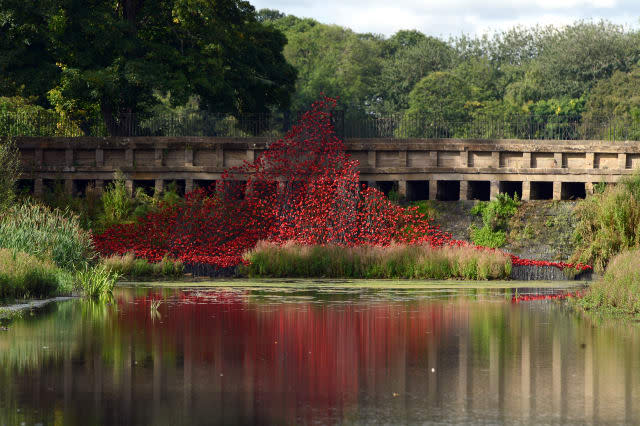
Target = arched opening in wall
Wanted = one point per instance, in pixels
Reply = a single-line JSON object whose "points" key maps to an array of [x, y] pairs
{"points": [[80, 187], [479, 190], [208, 185], [176, 186], [386, 186], [512, 188], [541, 191], [417, 190], [25, 186], [448, 190], [573, 190], [147, 186]]}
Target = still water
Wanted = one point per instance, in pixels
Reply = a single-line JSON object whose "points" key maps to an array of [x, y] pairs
{"points": [[317, 354]]}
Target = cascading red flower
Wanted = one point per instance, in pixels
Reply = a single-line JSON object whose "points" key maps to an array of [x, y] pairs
{"points": [[304, 188]]}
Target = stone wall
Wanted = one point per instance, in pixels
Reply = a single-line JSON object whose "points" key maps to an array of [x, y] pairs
{"points": [[447, 169]]}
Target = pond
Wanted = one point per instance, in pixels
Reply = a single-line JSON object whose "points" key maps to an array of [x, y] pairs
{"points": [[317, 353]]}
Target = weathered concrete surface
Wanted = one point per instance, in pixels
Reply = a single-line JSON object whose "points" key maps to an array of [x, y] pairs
{"points": [[536, 169]]}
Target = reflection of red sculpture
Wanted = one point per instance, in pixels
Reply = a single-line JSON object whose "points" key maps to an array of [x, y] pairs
{"points": [[295, 362], [303, 188]]}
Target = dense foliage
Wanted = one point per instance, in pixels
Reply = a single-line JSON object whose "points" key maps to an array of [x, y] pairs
{"points": [[97, 61], [495, 217], [521, 72], [609, 222]]}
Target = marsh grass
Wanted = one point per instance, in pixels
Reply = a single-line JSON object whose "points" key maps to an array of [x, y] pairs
{"points": [[96, 282], [618, 292], [23, 275], [136, 268], [395, 261], [609, 223], [49, 235]]}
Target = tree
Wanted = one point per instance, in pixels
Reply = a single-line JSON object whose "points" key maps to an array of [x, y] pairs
{"points": [[112, 56], [573, 59], [413, 58], [331, 60], [437, 105], [616, 102]]}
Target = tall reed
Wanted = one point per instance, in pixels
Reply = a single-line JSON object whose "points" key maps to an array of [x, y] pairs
{"points": [[618, 292], [23, 275], [132, 267], [46, 234], [395, 261], [609, 223]]}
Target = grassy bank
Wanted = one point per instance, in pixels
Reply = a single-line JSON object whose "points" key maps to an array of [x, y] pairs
{"points": [[618, 292], [609, 223], [45, 252], [398, 261], [134, 268], [24, 275]]}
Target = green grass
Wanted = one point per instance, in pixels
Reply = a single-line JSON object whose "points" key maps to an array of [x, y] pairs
{"points": [[618, 292], [49, 235], [96, 282], [132, 268], [609, 223], [23, 275], [372, 262]]}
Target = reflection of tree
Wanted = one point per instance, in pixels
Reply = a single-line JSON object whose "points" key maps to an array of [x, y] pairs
{"points": [[286, 356]]}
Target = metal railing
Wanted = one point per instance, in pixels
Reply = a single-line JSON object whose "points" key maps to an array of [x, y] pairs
{"points": [[398, 126]]}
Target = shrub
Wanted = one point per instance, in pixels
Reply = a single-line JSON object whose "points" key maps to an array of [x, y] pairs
{"points": [[116, 202], [132, 267], [495, 216], [46, 234], [24, 275], [609, 223], [395, 261], [618, 292]]}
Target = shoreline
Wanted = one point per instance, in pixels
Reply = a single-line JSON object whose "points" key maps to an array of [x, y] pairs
{"points": [[351, 283], [9, 310]]}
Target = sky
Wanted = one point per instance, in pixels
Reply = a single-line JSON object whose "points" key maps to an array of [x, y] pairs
{"points": [[453, 17]]}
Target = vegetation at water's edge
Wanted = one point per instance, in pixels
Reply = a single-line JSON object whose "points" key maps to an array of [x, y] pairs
{"points": [[43, 251], [609, 223], [396, 261], [24, 275], [135, 268], [618, 292]]}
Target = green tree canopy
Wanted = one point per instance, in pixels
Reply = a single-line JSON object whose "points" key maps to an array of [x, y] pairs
{"points": [[331, 60], [88, 56], [413, 57]]}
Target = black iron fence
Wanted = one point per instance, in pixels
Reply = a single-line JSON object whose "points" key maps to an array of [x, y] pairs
{"points": [[399, 126]]}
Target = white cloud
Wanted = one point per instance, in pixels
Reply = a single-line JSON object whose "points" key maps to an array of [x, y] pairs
{"points": [[452, 17]]}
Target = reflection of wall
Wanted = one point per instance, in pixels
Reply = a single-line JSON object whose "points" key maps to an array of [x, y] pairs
{"points": [[239, 359]]}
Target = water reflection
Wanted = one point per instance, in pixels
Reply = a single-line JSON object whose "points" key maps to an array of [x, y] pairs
{"points": [[333, 356]]}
